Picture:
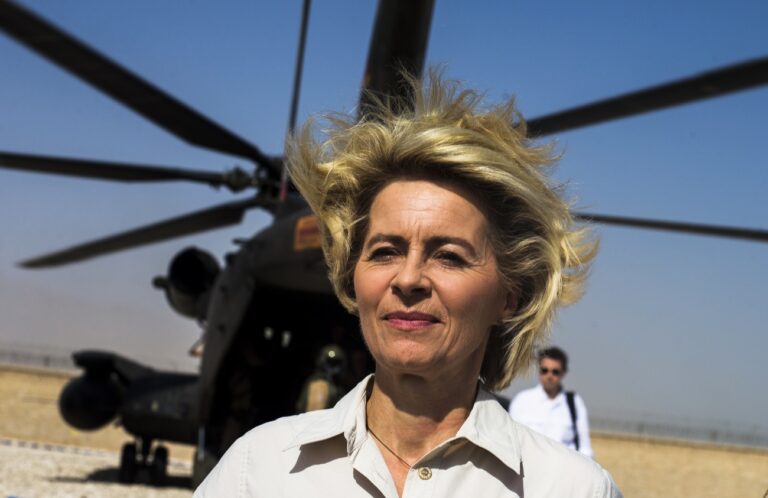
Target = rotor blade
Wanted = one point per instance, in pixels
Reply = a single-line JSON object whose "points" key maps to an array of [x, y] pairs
{"points": [[105, 170], [299, 69], [199, 221], [94, 68], [285, 183], [706, 85], [676, 226], [399, 41]]}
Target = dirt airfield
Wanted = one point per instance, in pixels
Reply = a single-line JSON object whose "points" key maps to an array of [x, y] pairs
{"points": [[41, 457]]}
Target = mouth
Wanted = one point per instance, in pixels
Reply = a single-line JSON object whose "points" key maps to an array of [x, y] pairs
{"points": [[411, 320]]}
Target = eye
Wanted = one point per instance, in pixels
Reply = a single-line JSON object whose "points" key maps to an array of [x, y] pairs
{"points": [[384, 253], [450, 258]]}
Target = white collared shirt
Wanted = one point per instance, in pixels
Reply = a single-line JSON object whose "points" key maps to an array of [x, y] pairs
{"points": [[551, 417], [330, 453]]}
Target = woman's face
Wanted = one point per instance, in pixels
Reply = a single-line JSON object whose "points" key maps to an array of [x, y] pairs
{"points": [[426, 283]]}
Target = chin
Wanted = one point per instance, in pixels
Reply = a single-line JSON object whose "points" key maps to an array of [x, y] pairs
{"points": [[409, 363]]}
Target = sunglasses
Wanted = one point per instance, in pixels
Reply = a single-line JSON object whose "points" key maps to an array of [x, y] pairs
{"points": [[555, 371]]}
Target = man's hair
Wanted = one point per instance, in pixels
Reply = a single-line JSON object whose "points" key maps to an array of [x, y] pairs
{"points": [[447, 137], [555, 353]]}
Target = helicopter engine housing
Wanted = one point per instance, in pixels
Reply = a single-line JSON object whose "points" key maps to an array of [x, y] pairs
{"points": [[191, 275], [90, 401]]}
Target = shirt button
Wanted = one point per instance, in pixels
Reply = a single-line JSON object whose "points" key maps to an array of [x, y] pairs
{"points": [[425, 473]]}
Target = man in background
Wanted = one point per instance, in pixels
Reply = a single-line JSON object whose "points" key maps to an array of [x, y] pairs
{"points": [[325, 386], [549, 409]]}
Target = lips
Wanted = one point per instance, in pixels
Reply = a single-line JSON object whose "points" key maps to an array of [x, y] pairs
{"points": [[410, 320]]}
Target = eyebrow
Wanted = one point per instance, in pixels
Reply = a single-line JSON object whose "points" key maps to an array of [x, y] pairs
{"points": [[432, 242]]}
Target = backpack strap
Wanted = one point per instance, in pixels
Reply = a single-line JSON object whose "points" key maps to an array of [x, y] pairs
{"points": [[570, 396]]}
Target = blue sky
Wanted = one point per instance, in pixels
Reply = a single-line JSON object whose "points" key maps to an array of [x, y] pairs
{"points": [[672, 326]]}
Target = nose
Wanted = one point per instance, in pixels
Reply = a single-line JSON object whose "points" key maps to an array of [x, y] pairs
{"points": [[410, 279]]}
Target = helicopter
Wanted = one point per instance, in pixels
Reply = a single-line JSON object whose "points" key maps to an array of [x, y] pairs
{"points": [[251, 336]]}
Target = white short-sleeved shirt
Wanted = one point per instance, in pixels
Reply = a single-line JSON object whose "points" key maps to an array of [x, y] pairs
{"points": [[330, 453], [551, 417]]}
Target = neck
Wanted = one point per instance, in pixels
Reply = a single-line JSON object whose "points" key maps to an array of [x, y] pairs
{"points": [[413, 414], [553, 392]]}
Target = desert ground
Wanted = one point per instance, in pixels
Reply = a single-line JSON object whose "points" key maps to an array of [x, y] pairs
{"points": [[40, 456]]}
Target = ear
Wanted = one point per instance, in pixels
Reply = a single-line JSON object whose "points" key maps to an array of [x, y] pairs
{"points": [[510, 304]]}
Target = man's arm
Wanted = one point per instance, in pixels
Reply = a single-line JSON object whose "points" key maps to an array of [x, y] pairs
{"points": [[318, 394]]}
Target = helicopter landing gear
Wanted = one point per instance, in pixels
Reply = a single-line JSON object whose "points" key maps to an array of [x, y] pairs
{"points": [[128, 464], [135, 456], [158, 469]]}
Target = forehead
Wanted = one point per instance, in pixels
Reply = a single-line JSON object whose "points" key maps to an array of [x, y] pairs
{"points": [[550, 363], [427, 207]]}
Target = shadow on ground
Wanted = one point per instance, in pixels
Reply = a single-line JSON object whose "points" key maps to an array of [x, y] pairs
{"points": [[110, 475]]}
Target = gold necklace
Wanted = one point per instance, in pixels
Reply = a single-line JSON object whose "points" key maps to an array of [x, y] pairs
{"points": [[401, 459]]}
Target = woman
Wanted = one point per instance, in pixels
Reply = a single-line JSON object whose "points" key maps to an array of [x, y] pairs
{"points": [[443, 234]]}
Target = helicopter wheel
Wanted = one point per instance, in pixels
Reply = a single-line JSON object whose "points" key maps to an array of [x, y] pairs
{"points": [[158, 470], [128, 464]]}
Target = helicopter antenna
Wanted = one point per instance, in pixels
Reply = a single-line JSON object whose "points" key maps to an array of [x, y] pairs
{"points": [[296, 88]]}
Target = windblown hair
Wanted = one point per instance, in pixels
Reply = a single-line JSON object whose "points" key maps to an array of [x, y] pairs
{"points": [[447, 136]]}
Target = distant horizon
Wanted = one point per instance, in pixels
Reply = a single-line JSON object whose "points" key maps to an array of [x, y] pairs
{"points": [[719, 432]]}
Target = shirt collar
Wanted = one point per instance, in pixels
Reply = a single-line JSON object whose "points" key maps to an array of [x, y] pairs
{"points": [[543, 394], [488, 426]]}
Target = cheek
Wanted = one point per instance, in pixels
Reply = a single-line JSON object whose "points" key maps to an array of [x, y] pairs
{"points": [[370, 286], [478, 300], [368, 294], [361, 291]]}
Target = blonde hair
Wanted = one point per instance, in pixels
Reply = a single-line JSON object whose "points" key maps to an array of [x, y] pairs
{"points": [[446, 136]]}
